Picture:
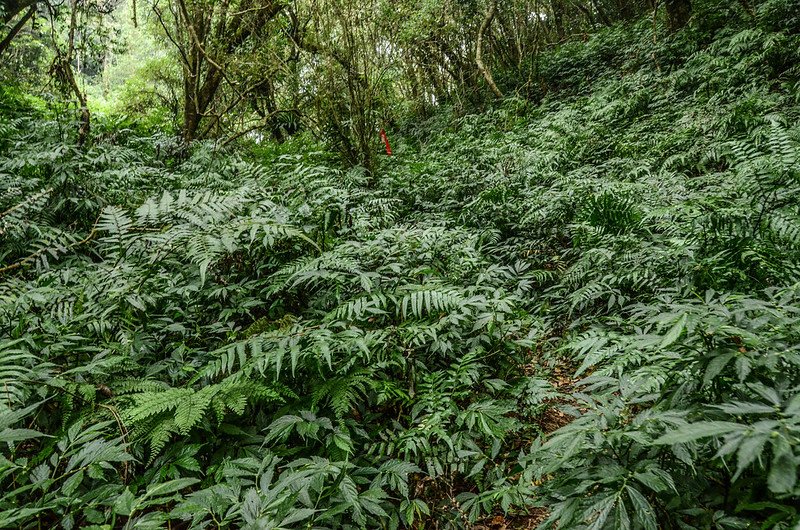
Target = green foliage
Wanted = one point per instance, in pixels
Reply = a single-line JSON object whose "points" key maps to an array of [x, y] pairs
{"points": [[587, 309]]}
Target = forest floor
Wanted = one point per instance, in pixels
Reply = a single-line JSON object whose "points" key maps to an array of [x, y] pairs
{"points": [[582, 312]]}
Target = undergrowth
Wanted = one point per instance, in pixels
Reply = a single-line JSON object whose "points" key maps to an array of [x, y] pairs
{"points": [[584, 311]]}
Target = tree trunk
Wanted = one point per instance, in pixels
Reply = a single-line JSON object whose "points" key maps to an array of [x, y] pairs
{"points": [[197, 101], [678, 13], [557, 7], [487, 75], [203, 53], [16, 29], [191, 120], [69, 77]]}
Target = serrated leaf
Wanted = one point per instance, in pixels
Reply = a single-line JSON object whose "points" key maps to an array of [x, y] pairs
{"points": [[297, 515], [696, 431], [124, 503], [71, 484], [674, 332], [171, 486], [642, 510], [782, 474]]}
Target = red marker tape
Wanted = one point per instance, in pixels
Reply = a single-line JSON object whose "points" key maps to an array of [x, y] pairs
{"points": [[386, 142]]}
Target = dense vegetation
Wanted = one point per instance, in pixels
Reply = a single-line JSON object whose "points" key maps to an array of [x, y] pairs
{"points": [[575, 308]]}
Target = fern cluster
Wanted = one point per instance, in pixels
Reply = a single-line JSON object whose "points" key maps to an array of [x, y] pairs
{"points": [[583, 313]]}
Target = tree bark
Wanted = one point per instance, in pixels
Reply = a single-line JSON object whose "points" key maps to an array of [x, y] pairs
{"points": [[487, 75], [69, 77]]}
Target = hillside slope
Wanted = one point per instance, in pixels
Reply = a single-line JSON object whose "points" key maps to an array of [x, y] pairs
{"points": [[582, 312]]}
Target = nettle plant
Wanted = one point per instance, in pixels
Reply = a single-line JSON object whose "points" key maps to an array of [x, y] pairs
{"points": [[270, 353], [690, 399]]}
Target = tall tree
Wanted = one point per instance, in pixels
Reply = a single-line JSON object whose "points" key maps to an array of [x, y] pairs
{"points": [[352, 57], [208, 35]]}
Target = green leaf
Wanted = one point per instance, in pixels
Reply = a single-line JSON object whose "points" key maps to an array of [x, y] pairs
{"points": [[72, 483], [252, 506], [124, 503], [342, 441], [696, 431], [715, 367], [598, 512], [642, 510], [621, 519], [192, 408], [297, 515], [19, 435], [783, 474], [349, 491], [651, 480], [674, 332], [171, 486]]}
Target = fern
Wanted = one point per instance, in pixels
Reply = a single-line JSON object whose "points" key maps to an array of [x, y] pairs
{"points": [[16, 374], [576, 308]]}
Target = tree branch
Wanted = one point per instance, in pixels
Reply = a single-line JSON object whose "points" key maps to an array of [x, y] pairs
{"points": [[16, 29]]}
